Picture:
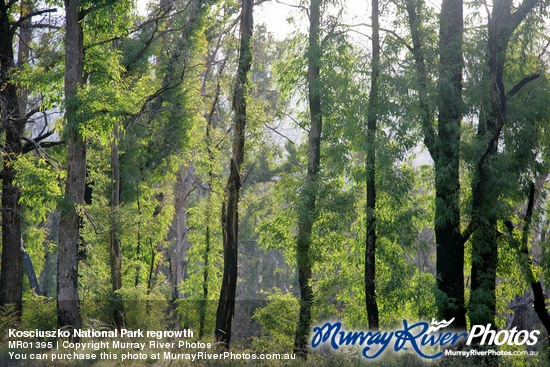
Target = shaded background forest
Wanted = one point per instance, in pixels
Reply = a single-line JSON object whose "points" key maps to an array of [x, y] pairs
{"points": [[394, 165]]}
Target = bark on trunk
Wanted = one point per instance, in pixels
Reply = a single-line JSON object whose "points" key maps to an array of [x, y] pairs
{"points": [[11, 276], [116, 253], [370, 252], [69, 227], [306, 217], [450, 246], [230, 207]]}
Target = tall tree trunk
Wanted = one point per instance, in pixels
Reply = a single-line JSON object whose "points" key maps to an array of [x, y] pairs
{"points": [[370, 251], [230, 207], [450, 244], [306, 217], [179, 254], [502, 24], [207, 240], [138, 248], [151, 272], [444, 150], [204, 304], [116, 253], [11, 277], [69, 227], [211, 161]]}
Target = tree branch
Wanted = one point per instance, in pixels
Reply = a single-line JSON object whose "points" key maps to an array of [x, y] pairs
{"points": [[521, 84], [278, 133], [34, 144], [144, 48], [43, 136], [168, 86], [30, 15], [294, 6], [472, 226], [525, 261], [540, 300], [50, 26], [520, 14], [393, 33]]}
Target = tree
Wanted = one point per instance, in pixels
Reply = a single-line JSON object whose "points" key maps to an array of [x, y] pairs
{"points": [[115, 251], [444, 148], [230, 206], [69, 226], [11, 279], [485, 198], [306, 215], [450, 242], [370, 251], [15, 115]]}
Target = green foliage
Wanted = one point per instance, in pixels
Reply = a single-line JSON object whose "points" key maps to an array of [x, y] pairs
{"points": [[278, 319], [39, 313], [39, 185], [8, 320]]}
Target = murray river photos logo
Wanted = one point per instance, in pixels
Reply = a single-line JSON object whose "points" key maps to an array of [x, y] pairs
{"points": [[418, 337]]}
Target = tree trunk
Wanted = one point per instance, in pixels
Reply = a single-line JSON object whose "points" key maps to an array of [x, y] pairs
{"points": [[502, 24], [11, 277], [307, 214], [450, 246], [31, 274], [179, 254], [539, 302], [230, 207], [370, 251], [138, 248], [69, 227], [24, 51], [204, 303], [116, 253], [413, 8], [211, 161], [151, 272], [444, 150]]}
